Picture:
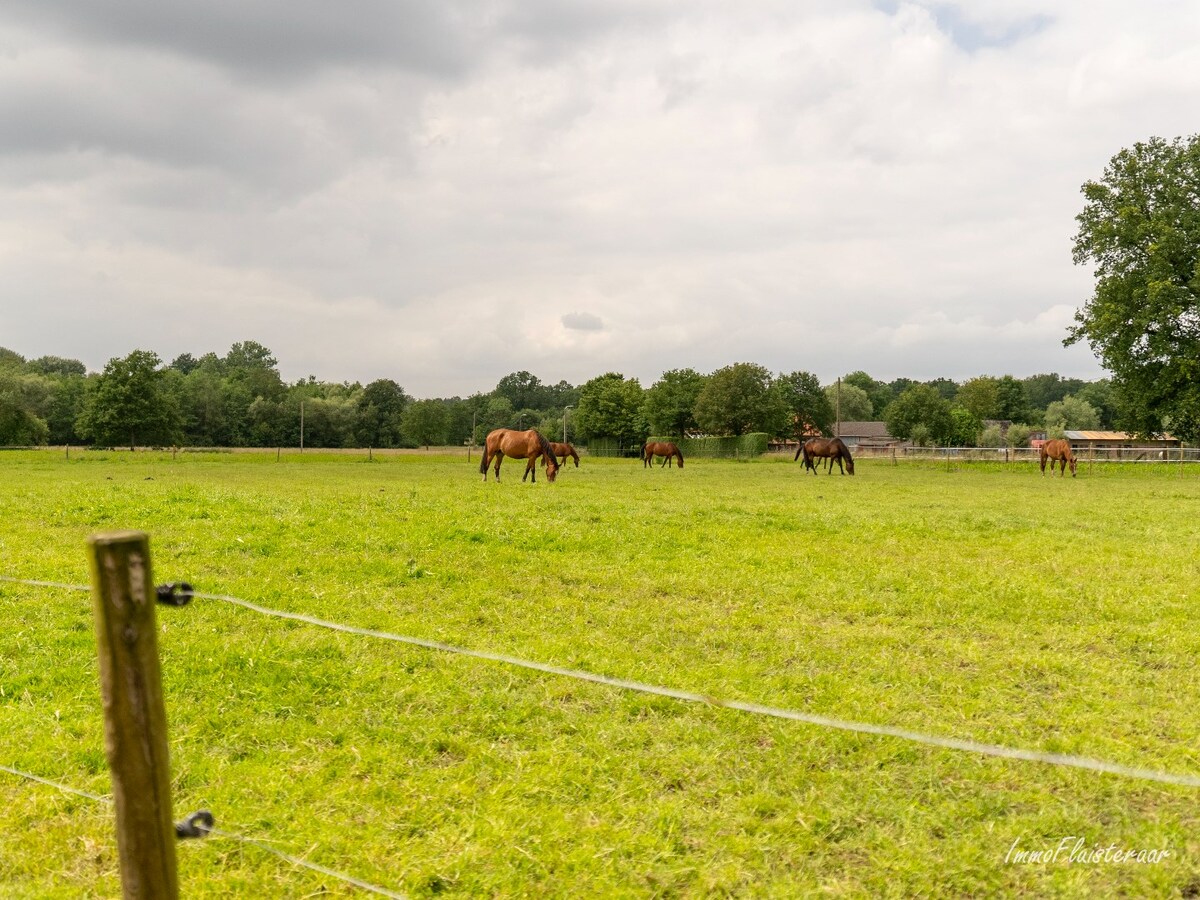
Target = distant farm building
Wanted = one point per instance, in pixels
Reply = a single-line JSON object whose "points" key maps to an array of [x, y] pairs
{"points": [[1107, 440], [867, 435]]}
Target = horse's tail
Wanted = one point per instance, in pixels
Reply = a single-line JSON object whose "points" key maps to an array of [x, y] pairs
{"points": [[483, 458], [547, 450]]}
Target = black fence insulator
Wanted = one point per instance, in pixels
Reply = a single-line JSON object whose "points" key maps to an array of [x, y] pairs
{"points": [[197, 825], [177, 593]]}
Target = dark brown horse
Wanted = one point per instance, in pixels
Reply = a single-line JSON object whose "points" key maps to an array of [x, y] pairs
{"points": [[562, 451], [528, 445], [831, 449], [666, 449], [1058, 451]]}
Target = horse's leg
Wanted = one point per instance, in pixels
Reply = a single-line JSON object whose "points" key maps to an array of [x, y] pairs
{"points": [[530, 468], [1043, 461], [483, 468], [499, 457]]}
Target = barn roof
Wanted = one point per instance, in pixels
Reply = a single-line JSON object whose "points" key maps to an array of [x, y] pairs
{"points": [[864, 430], [1108, 436]]}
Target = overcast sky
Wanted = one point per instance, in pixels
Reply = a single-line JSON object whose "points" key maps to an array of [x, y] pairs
{"points": [[442, 192]]}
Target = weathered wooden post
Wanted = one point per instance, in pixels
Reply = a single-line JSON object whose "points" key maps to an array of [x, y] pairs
{"points": [[135, 721]]}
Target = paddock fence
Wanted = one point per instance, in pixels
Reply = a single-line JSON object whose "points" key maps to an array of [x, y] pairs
{"points": [[1176, 455]]}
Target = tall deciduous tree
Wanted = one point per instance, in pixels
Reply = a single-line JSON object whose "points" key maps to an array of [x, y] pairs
{"points": [[1071, 412], [130, 404], [611, 406], [849, 402], [806, 408], [740, 399], [671, 401], [1140, 227], [921, 409]]}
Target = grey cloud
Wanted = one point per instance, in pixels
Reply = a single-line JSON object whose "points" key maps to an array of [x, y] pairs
{"points": [[582, 322], [275, 38]]}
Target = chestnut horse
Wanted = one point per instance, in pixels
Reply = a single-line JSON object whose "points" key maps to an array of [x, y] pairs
{"points": [[1058, 451], [830, 449], [562, 451], [665, 449], [528, 445]]}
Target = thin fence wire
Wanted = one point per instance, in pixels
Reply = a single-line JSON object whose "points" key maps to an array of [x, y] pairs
{"points": [[949, 743], [220, 832]]}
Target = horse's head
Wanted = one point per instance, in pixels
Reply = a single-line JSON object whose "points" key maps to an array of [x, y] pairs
{"points": [[1072, 463], [849, 464], [551, 467]]}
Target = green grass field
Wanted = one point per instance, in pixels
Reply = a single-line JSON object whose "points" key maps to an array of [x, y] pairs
{"points": [[981, 602]]}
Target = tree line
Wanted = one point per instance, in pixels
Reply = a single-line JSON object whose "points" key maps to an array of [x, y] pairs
{"points": [[240, 400]]}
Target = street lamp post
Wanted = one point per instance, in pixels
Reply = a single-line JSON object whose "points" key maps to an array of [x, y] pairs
{"points": [[565, 423]]}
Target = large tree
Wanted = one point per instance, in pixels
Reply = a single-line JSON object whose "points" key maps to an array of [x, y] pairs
{"points": [[921, 409], [130, 403], [670, 402], [610, 406], [740, 399], [805, 407], [1140, 228], [849, 402]]}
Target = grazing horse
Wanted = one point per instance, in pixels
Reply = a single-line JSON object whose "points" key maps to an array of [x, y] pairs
{"points": [[830, 449], [666, 449], [562, 451], [527, 445], [1058, 451]]}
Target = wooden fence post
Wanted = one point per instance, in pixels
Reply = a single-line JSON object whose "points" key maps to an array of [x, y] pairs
{"points": [[135, 721]]}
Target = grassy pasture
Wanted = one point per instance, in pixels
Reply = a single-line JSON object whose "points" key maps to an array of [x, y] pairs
{"points": [[980, 601]]}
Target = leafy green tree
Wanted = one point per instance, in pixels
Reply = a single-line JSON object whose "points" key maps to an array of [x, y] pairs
{"points": [[801, 407], [63, 408], [1102, 398], [849, 402], [610, 406], [329, 421], [1072, 412], [1011, 402], [881, 395], [1140, 227], [944, 386], [11, 360], [920, 405], [965, 427], [1018, 435], [740, 399], [19, 423], [522, 390], [130, 403], [252, 364], [56, 365], [1042, 390], [991, 436], [671, 400], [381, 406], [981, 397]]}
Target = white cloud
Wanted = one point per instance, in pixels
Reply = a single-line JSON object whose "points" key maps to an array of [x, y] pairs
{"points": [[642, 186]]}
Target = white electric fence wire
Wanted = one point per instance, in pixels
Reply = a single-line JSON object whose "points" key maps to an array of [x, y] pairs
{"points": [[294, 860], [997, 750]]}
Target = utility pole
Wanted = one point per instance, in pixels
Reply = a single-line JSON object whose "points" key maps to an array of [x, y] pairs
{"points": [[837, 428]]}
